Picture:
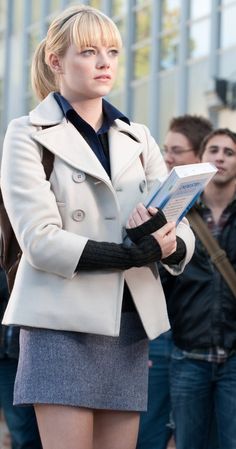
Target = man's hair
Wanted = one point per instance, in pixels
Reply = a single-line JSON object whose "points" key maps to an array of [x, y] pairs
{"points": [[217, 132], [193, 127]]}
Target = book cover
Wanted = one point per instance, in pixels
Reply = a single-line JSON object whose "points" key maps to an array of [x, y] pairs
{"points": [[179, 191]]}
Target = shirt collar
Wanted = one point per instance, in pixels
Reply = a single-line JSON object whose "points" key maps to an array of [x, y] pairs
{"points": [[109, 111], [201, 205]]}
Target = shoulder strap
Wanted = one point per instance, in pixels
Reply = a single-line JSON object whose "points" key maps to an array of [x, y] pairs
{"points": [[217, 254]]}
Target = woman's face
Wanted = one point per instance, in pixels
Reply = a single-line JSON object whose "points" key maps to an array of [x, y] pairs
{"points": [[88, 73]]}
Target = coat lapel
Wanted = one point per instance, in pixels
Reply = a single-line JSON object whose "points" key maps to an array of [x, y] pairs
{"points": [[124, 148], [62, 139]]}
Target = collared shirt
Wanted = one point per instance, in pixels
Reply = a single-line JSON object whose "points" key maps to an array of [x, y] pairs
{"points": [[214, 228], [98, 141]]}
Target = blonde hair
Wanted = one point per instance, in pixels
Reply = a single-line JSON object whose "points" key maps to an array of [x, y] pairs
{"points": [[80, 25]]}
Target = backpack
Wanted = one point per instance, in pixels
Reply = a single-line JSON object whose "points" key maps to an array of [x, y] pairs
{"points": [[10, 253]]}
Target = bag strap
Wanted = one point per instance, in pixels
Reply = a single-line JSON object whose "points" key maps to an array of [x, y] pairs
{"points": [[217, 254]]}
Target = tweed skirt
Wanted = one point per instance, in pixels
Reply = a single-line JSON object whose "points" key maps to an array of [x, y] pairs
{"points": [[85, 370]]}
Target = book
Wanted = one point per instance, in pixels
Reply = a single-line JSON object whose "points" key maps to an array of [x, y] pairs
{"points": [[179, 191]]}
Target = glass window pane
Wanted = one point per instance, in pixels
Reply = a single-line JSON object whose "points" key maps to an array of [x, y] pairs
{"points": [[142, 2], [118, 7], [199, 8], [35, 11], [227, 2], [33, 40], [140, 93], [17, 22], [95, 3], [54, 5], [169, 50], [2, 53], [170, 14], [198, 85], [121, 72], [3, 12], [117, 99], [226, 70], [143, 23], [228, 28], [121, 27], [142, 62], [168, 99], [199, 39]]}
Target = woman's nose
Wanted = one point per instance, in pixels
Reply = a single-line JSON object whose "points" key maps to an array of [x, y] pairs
{"points": [[103, 61]]}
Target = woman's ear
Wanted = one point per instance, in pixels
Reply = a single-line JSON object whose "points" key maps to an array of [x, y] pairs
{"points": [[55, 63]]}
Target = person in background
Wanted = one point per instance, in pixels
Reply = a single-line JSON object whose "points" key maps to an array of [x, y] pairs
{"points": [[202, 311], [181, 146], [21, 421], [90, 300]]}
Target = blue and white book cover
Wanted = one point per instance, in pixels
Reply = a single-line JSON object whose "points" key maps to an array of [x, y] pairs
{"points": [[179, 191]]}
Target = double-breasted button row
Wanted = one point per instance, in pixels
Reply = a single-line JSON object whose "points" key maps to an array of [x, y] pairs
{"points": [[78, 215], [78, 176], [142, 185]]}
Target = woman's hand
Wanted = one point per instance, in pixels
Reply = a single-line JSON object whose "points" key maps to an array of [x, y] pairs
{"points": [[138, 216], [166, 237]]}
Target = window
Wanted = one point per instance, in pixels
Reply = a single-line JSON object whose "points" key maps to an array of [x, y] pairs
{"points": [[142, 62], [143, 23], [199, 39], [199, 29], [228, 28], [169, 38], [199, 9], [118, 7]]}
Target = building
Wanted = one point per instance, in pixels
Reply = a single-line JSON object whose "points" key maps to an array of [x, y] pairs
{"points": [[179, 56]]}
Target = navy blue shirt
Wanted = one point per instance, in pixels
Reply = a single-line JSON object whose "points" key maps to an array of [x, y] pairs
{"points": [[98, 141]]}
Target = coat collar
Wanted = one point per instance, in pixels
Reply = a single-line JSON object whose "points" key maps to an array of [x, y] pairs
{"points": [[62, 139]]}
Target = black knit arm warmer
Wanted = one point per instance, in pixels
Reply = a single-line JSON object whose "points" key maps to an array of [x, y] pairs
{"points": [[150, 226], [117, 256], [178, 255]]}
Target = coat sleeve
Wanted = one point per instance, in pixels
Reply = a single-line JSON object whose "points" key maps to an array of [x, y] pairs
{"points": [[32, 206]]}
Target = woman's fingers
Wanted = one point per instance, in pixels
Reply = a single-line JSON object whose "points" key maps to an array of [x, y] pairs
{"points": [[166, 237], [139, 215]]}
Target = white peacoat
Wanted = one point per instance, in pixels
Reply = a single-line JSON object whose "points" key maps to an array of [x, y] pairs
{"points": [[53, 221]]}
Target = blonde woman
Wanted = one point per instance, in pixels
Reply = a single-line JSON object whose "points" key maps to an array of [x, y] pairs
{"points": [[86, 301]]}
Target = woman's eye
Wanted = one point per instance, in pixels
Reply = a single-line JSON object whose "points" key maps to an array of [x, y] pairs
{"points": [[113, 51], [88, 51]]}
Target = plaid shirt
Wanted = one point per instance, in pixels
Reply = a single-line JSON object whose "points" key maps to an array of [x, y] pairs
{"points": [[214, 354]]}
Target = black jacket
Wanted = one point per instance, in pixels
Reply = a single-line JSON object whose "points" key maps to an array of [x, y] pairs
{"points": [[201, 307]]}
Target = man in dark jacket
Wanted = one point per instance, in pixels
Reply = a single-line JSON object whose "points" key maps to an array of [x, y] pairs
{"points": [[202, 312], [181, 146], [21, 421]]}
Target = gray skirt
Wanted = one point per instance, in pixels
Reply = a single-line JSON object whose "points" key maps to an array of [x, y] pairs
{"points": [[84, 370]]}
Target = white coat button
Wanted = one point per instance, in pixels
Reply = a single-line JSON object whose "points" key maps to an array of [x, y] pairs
{"points": [[78, 215], [142, 185], [78, 176]]}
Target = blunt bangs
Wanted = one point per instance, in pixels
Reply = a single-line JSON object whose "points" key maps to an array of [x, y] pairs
{"points": [[90, 29]]}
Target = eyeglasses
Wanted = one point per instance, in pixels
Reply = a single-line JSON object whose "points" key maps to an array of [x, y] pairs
{"points": [[176, 151]]}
